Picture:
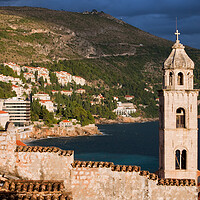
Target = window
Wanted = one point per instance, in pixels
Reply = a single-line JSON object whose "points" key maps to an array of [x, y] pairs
{"points": [[183, 159], [180, 78], [180, 118], [180, 159], [170, 78], [177, 159]]}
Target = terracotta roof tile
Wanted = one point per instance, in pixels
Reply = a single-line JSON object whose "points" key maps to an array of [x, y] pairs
{"points": [[44, 149], [3, 112]]}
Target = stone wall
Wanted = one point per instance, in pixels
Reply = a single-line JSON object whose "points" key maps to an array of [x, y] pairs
{"points": [[102, 180], [44, 163], [7, 149]]}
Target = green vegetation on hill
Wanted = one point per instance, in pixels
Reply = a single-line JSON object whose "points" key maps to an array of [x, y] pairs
{"points": [[39, 112], [7, 71], [115, 57], [6, 90]]}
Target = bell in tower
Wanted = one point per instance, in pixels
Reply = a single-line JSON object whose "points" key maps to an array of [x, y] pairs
{"points": [[178, 141]]}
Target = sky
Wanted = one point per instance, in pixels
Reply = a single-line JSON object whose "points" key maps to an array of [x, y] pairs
{"points": [[157, 17]]}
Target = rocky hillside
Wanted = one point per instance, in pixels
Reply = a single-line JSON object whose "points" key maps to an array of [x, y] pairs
{"points": [[102, 49], [40, 34]]}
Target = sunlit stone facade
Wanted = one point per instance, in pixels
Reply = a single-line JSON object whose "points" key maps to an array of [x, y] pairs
{"points": [[178, 128]]}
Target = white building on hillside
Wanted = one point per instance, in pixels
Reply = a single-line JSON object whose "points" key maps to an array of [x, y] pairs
{"points": [[4, 118], [125, 109], [18, 109], [67, 92], [65, 123], [48, 104], [129, 97], [63, 77], [79, 80], [41, 96], [80, 91], [18, 90], [10, 79], [28, 76]]}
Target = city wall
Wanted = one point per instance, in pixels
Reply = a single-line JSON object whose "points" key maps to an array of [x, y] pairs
{"points": [[88, 180]]}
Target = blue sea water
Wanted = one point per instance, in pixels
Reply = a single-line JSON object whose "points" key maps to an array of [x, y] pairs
{"points": [[126, 144]]}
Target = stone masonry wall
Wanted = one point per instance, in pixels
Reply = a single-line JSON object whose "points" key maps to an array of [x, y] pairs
{"points": [[7, 148], [105, 181], [44, 163]]}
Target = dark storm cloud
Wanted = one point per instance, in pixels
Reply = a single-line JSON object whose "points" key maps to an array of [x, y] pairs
{"points": [[154, 16]]}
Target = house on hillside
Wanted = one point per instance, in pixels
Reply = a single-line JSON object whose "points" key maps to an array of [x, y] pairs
{"points": [[125, 109], [48, 104], [4, 118], [30, 76], [80, 91], [41, 96], [67, 92], [129, 97], [18, 90], [65, 123]]}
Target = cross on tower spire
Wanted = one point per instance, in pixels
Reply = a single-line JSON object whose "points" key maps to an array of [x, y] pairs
{"points": [[177, 34]]}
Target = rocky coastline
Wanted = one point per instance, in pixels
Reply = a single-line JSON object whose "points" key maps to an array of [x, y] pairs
{"points": [[45, 132], [121, 119], [89, 130]]}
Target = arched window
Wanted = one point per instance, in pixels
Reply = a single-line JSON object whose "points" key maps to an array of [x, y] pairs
{"points": [[177, 159], [170, 78], [180, 78], [180, 159], [183, 159], [180, 118], [198, 180]]}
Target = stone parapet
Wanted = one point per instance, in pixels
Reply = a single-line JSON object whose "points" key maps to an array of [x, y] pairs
{"points": [[23, 189], [129, 168], [44, 149], [176, 182]]}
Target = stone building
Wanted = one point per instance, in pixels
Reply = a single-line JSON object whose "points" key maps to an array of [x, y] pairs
{"points": [[65, 123], [125, 109], [41, 96], [18, 109], [48, 104], [178, 128], [4, 118]]}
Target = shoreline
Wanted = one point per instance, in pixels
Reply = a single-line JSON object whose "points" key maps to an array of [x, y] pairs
{"points": [[45, 132], [124, 120]]}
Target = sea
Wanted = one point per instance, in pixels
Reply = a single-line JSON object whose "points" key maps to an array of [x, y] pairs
{"points": [[123, 144]]}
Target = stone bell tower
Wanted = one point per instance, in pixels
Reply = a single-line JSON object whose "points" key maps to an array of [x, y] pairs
{"points": [[178, 127]]}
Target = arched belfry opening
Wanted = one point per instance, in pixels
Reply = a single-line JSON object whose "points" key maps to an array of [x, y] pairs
{"points": [[180, 159], [180, 78], [180, 118], [183, 159], [170, 78]]}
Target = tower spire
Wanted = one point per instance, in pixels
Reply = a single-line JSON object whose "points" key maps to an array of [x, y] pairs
{"points": [[177, 33]]}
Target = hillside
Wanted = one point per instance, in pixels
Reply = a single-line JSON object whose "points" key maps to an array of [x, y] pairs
{"points": [[108, 52]]}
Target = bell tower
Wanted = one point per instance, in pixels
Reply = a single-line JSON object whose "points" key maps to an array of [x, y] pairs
{"points": [[178, 127]]}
